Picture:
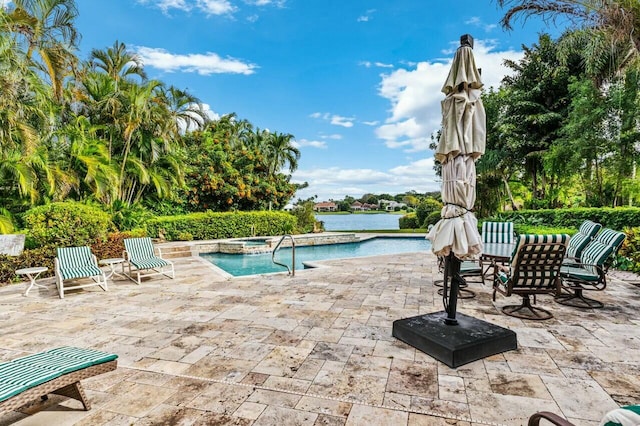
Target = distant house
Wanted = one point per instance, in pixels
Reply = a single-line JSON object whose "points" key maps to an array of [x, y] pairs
{"points": [[357, 206], [367, 206], [390, 205], [325, 206], [290, 207]]}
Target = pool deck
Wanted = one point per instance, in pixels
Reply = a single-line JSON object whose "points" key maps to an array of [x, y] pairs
{"points": [[316, 349]]}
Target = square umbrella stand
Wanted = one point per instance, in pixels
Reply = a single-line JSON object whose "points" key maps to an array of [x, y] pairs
{"points": [[454, 339], [457, 340]]}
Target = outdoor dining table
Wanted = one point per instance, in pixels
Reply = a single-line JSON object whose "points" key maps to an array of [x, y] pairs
{"points": [[498, 252]]}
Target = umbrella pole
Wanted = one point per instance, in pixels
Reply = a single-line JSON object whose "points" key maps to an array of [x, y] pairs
{"points": [[452, 274]]}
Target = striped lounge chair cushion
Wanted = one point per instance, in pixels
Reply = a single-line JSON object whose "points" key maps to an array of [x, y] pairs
{"points": [[141, 253], [589, 228], [77, 262], [497, 232], [623, 416], [611, 238], [32, 370], [577, 243]]}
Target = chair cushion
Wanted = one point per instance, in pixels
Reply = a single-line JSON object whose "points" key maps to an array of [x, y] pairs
{"points": [[497, 232], [80, 272], [32, 370], [611, 238], [623, 416], [589, 228], [139, 248], [74, 257], [579, 273], [156, 262], [577, 243], [595, 255]]}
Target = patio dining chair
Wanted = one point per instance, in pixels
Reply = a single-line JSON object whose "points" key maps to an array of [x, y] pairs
{"points": [[494, 233], [534, 269], [77, 262], [140, 255], [590, 273], [628, 415]]}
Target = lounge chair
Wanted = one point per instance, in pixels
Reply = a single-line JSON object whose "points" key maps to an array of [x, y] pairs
{"points": [[590, 273], [580, 240], [139, 254], [77, 262], [57, 371], [624, 416], [534, 269]]}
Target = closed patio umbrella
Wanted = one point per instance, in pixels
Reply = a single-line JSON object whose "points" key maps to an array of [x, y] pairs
{"points": [[462, 142]]}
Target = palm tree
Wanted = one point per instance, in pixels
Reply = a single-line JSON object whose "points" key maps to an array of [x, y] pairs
{"points": [[117, 62], [607, 31], [280, 151], [46, 29]]}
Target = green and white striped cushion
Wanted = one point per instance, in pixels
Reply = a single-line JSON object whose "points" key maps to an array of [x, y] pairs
{"points": [[582, 274], [32, 370], [497, 232], [77, 262], [141, 253], [577, 243], [595, 255], [611, 238], [589, 228], [623, 416], [538, 271]]}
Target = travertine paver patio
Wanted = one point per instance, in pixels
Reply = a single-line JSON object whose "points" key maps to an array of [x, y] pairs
{"points": [[317, 350]]}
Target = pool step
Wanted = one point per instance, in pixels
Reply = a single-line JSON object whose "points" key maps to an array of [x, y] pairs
{"points": [[176, 250]]}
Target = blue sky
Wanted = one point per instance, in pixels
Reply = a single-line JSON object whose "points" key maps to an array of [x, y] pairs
{"points": [[357, 82]]}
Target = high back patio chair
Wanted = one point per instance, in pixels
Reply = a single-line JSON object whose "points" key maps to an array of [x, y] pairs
{"points": [[534, 269], [580, 240], [590, 273], [142, 260], [494, 233], [77, 262]]}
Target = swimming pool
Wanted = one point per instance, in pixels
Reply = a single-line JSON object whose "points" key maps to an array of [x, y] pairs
{"points": [[252, 264]]}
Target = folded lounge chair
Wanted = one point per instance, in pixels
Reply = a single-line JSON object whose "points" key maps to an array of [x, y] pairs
{"points": [[534, 269], [139, 254], [57, 371], [77, 262]]}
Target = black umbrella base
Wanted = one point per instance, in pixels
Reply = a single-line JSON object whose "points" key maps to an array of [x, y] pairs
{"points": [[455, 345]]}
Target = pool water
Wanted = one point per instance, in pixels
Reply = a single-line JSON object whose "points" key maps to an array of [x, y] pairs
{"points": [[252, 264]]}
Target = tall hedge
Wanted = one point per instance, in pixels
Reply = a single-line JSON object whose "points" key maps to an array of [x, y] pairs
{"points": [[66, 224], [614, 218], [211, 226]]}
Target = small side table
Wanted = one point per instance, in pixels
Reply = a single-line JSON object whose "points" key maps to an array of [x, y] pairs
{"points": [[32, 274], [112, 262]]}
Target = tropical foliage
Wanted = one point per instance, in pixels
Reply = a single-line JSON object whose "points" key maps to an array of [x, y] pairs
{"points": [[98, 130]]}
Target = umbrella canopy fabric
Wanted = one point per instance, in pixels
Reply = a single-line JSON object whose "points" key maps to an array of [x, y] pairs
{"points": [[462, 142]]}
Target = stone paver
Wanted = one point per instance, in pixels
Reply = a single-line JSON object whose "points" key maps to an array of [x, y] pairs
{"points": [[317, 349]]}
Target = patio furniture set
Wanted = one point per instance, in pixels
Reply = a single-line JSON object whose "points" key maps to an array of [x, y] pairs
{"points": [[547, 264], [71, 263]]}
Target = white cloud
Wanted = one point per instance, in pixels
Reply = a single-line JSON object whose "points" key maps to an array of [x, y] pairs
{"points": [[369, 64], [415, 95], [203, 64], [314, 144], [338, 120], [366, 17], [209, 7], [371, 123], [216, 7], [210, 113], [334, 136], [334, 119], [335, 183], [477, 22], [5, 3]]}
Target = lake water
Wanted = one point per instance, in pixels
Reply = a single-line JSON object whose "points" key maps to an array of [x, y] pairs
{"points": [[359, 222]]}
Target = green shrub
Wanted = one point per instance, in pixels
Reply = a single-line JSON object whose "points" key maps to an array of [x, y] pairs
{"points": [[211, 226], [629, 255], [66, 224], [540, 230], [427, 207], [432, 218], [409, 221], [614, 218], [306, 218]]}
